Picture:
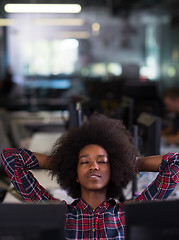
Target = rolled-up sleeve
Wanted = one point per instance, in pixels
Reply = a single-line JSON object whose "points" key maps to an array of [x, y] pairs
{"points": [[166, 180], [17, 163]]}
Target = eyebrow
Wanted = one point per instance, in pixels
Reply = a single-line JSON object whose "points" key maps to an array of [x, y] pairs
{"points": [[87, 155]]}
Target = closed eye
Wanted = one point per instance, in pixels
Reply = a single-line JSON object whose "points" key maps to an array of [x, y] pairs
{"points": [[85, 162], [102, 161]]}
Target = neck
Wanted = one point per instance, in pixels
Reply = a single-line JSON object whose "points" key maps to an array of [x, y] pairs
{"points": [[94, 199]]}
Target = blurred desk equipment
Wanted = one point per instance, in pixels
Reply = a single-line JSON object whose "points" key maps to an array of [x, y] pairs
{"points": [[145, 94], [165, 147], [156, 220], [126, 111], [75, 114], [49, 121], [149, 126], [32, 221]]}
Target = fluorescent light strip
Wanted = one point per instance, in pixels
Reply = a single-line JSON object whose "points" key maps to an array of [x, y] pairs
{"points": [[60, 21], [42, 8], [7, 22], [74, 34]]}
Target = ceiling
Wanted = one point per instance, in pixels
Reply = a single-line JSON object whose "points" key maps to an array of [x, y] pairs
{"points": [[117, 6]]}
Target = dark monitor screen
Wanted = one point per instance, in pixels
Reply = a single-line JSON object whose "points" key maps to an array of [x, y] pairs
{"points": [[149, 126], [155, 220], [99, 89], [146, 96], [126, 111], [32, 221], [142, 90]]}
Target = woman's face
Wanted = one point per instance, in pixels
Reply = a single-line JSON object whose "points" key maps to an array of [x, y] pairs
{"points": [[93, 168]]}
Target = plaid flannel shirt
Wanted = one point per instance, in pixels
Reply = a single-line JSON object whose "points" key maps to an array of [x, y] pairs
{"points": [[107, 221]]}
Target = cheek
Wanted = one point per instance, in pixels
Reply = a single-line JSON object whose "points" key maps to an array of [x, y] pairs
{"points": [[80, 171], [108, 172]]}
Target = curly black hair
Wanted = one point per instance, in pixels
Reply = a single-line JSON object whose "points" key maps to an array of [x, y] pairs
{"points": [[100, 130]]}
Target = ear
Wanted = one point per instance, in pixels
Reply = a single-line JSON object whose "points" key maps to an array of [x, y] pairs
{"points": [[77, 180]]}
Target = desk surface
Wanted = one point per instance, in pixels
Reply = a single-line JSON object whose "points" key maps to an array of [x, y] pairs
{"points": [[165, 148]]}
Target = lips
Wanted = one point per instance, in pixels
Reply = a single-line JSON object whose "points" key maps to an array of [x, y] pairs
{"points": [[94, 175]]}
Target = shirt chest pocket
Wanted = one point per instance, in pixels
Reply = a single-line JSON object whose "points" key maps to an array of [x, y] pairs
{"points": [[113, 226]]}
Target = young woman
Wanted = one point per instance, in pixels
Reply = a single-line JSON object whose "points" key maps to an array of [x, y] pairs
{"points": [[93, 164]]}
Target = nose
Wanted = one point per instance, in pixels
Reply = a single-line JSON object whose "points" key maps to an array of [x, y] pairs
{"points": [[94, 166]]}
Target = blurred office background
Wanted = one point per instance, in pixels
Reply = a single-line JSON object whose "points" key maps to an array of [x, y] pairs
{"points": [[54, 57], [109, 55]]}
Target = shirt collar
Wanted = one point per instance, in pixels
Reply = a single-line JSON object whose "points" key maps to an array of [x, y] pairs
{"points": [[81, 204]]}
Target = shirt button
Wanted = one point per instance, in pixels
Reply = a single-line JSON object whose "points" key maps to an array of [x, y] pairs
{"points": [[93, 230]]}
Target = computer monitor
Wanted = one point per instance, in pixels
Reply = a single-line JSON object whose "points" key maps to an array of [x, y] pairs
{"points": [[108, 90], [149, 126], [75, 114], [126, 111], [155, 220], [146, 96], [32, 221]]}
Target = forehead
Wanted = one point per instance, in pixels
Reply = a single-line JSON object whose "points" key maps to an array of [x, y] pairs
{"points": [[93, 149]]}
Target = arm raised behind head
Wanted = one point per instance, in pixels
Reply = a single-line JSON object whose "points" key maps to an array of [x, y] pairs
{"points": [[43, 160], [150, 163]]}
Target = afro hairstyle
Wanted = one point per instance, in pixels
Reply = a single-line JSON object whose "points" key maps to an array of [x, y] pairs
{"points": [[100, 130]]}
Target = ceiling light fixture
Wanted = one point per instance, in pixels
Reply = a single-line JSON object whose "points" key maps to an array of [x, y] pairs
{"points": [[42, 8], [95, 28]]}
